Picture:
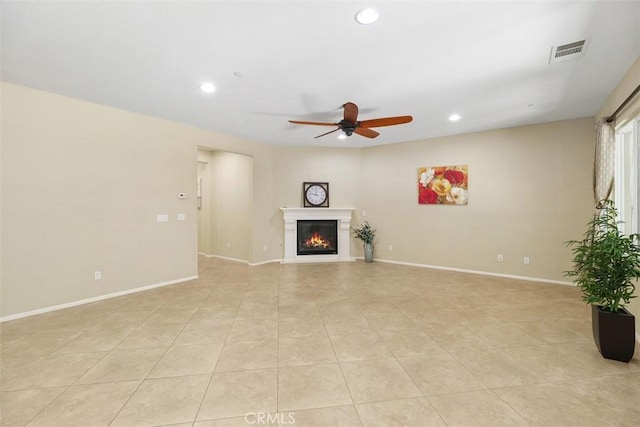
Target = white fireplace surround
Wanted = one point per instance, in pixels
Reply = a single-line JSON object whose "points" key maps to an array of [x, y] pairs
{"points": [[291, 217]]}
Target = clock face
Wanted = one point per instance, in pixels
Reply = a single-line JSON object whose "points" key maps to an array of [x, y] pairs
{"points": [[316, 194]]}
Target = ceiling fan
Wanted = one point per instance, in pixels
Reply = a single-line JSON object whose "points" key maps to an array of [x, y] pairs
{"points": [[350, 124]]}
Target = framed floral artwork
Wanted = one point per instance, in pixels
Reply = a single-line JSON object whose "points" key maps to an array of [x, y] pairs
{"points": [[443, 185]]}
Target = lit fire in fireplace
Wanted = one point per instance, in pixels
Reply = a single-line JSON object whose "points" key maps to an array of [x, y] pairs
{"points": [[316, 241]]}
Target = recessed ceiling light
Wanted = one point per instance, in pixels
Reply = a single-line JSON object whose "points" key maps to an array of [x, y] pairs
{"points": [[207, 87], [367, 16], [454, 117]]}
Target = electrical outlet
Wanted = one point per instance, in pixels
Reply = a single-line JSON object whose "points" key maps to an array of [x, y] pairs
{"points": [[527, 260], [97, 275], [264, 248], [500, 258], [390, 247], [228, 245]]}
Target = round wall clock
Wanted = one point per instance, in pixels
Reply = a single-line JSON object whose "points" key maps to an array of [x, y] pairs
{"points": [[315, 194]]}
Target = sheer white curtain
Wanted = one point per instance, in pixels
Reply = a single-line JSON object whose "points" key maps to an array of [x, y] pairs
{"points": [[603, 161]]}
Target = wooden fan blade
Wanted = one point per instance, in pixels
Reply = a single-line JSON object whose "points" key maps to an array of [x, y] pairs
{"points": [[297, 122], [369, 133], [335, 130], [350, 112], [385, 121]]}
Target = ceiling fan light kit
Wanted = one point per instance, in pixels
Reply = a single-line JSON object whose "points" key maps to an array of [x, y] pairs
{"points": [[350, 124], [367, 16]]}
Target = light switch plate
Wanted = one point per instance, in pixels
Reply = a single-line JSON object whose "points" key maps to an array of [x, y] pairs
{"points": [[162, 218]]}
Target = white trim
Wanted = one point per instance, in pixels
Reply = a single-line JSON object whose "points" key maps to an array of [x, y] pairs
{"points": [[224, 257], [270, 261], [94, 299], [484, 273], [638, 337]]}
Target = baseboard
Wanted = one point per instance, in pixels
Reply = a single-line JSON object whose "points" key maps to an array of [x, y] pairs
{"points": [[484, 273], [94, 299], [270, 261], [224, 257]]}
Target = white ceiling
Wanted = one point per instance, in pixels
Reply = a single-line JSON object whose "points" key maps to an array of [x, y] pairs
{"points": [[487, 61]]}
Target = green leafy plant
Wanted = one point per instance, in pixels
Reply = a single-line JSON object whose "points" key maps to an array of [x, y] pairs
{"points": [[606, 261], [364, 232]]}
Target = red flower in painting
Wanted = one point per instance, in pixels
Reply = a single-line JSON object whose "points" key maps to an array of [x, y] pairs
{"points": [[454, 177], [427, 197]]}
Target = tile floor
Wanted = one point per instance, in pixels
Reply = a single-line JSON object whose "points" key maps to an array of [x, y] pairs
{"points": [[345, 344]]}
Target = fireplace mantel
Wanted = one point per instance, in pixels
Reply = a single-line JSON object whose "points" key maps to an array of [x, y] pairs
{"points": [[292, 215]]}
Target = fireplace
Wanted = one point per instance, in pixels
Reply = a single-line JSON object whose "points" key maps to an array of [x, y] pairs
{"points": [[317, 237], [325, 246]]}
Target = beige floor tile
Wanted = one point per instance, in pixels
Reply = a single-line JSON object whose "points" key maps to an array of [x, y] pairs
{"points": [[343, 416], [501, 335], [495, 368], [87, 405], [234, 394], [260, 419], [461, 340], [440, 373], [614, 398], [315, 386], [211, 332], [477, 408], [305, 351], [151, 336], [166, 316], [552, 332], [123, 365], [551, 405], [410, 342], [53, 371], [548, 363], [378, 379], [17, 408], [416, 412], [504, 331], [390, 321], [123, 319], [361, 346], [594, 363], [245, 355], [257, 310], [343, 327], [164, 401], [215, 313], [37, 344], [96, 339], [254, 330], [187, 360], [292, 327]]}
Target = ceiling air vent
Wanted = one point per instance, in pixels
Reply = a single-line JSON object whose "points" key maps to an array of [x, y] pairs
{"points": [[567, 51]]}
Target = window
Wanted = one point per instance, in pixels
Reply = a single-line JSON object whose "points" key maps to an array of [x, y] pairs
{"points": [[627, 190]]}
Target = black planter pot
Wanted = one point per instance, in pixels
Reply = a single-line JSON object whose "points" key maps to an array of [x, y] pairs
{"points": [[614, 333]]}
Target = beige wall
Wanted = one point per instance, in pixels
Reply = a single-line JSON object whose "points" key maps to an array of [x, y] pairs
{"points": [[81, 187], [340, 167], [529, 192], [225, 217], [82, 183]]}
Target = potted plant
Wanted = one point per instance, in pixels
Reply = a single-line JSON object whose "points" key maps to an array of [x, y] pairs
{"points": [[366, 234], [606, 265]]}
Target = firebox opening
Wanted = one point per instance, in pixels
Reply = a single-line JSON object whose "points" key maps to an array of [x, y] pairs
{"points": [[317, 237]]}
